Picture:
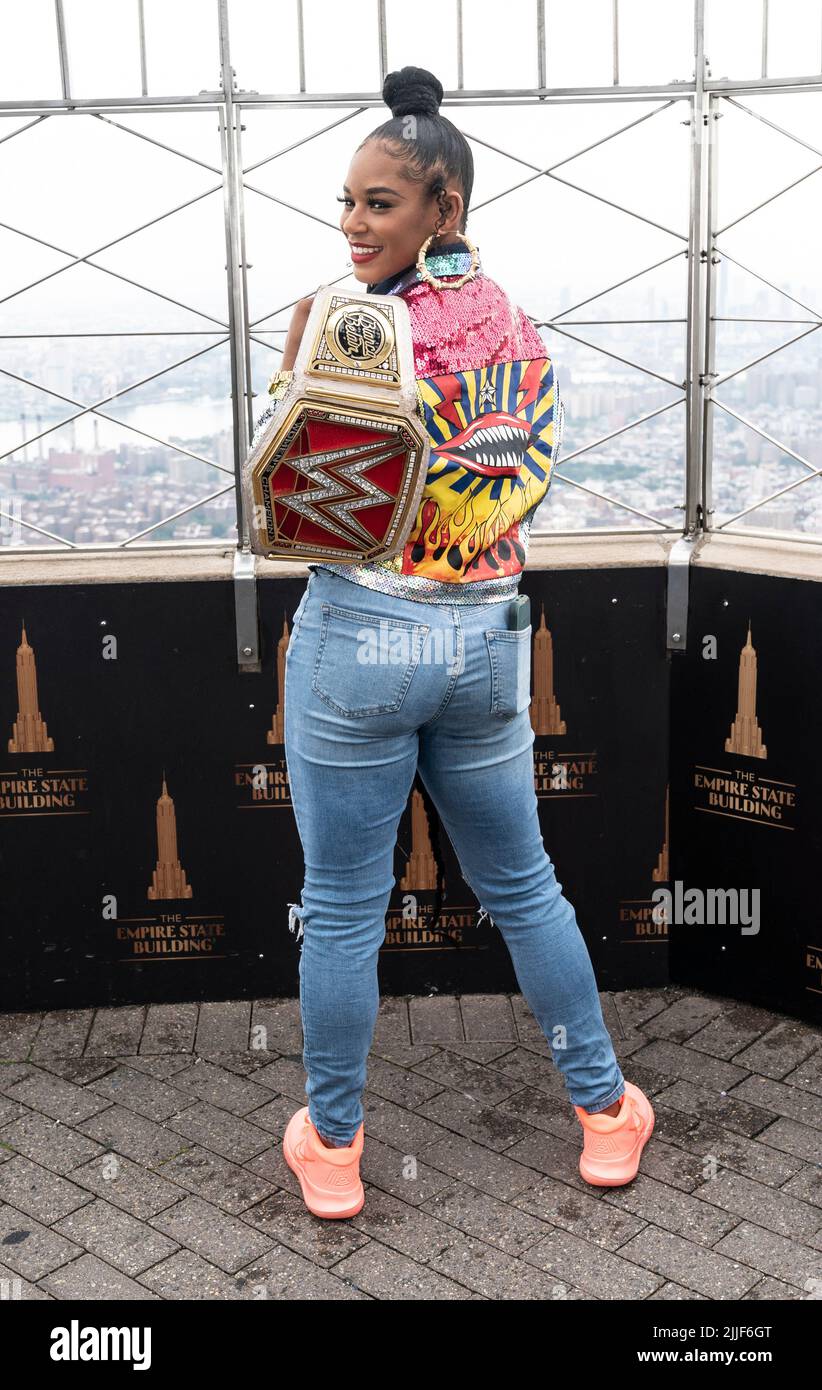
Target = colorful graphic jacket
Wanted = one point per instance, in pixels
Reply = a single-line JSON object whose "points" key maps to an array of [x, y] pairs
{"points": [[494, 416]]}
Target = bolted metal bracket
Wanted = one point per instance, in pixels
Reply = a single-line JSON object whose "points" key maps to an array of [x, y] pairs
{"points": [[246, 617], [676, 614]]}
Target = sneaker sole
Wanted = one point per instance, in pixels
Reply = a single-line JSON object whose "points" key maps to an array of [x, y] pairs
{"points": [[308, 1197]]}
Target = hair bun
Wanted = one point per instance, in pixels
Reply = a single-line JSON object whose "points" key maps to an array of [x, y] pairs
{"points": [[412, 92]]}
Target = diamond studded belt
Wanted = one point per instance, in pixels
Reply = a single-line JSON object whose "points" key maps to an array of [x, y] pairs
{"points": [[338, 472]]}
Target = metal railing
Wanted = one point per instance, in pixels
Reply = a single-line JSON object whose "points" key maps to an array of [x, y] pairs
{"points": [[702, 101]]}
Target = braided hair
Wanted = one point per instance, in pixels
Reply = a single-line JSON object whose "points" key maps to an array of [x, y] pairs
{"points": [[435, 152]]}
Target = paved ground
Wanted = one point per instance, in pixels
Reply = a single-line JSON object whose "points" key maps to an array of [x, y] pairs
{"points": [[140, 1157]]}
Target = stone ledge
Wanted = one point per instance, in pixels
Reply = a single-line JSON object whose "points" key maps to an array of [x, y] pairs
{"points": [[776, 556], [761, 555]]}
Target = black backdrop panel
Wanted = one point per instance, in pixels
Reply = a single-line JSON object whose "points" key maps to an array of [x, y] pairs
{"points": [[747, 789], [151, 854]]}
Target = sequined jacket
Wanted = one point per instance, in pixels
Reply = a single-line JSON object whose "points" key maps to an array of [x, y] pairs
{"points": [[494, 417]]}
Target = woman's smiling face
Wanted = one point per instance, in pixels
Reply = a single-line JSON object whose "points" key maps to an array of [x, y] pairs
{"points": [[388, 215]]}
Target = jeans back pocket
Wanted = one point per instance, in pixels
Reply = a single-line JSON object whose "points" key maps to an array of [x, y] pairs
{"points": [[509, 651], [365, 663]]}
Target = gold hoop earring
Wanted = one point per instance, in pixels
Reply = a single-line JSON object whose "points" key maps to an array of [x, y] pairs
{"points": [[430, 279]]}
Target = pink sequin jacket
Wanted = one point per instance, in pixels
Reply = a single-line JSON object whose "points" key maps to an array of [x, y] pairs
{"points": [[495, 417]]}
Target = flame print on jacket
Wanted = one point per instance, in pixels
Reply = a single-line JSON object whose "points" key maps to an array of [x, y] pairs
{"points": [[492, 433]]}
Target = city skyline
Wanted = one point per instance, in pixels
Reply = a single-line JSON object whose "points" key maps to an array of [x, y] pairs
{"points": [[601, 396]]}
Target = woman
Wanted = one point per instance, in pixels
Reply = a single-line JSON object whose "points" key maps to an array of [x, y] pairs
{"points": [[455, 705]]}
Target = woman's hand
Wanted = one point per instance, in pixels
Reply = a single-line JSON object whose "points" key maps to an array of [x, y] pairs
{"points": [[296, 328]]}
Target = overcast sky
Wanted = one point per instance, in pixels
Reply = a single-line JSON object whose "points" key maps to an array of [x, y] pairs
{"points": [[79, 182]]}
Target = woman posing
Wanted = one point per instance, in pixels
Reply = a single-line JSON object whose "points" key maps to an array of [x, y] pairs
{"points": [[456, 706]]}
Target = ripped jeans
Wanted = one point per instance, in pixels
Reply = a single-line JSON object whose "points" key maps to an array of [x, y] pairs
{"points": [[377, 686]]}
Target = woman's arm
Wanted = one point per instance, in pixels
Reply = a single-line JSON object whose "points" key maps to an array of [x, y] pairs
{"points": [[296, 328]]}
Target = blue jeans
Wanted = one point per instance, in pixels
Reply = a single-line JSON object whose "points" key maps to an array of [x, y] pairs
{"points": [[377, 686]]}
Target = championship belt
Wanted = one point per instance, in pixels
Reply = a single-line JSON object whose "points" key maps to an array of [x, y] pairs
{"points": [[338, 472]]}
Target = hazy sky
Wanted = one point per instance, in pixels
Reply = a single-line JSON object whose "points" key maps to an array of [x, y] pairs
{"points": [[655, 43], [80, 182]]}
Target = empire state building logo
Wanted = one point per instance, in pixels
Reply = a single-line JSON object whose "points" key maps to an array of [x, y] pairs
{"points": [[421, 868], [30, 734], [742, 792], [661, 873], [262, 783], [558, 771], [276, 734], [414, 925], [168, 879], [545, 712], [745, 736]]}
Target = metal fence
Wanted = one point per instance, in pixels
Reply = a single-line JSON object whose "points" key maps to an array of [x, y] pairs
{"points": [[699, 102]]}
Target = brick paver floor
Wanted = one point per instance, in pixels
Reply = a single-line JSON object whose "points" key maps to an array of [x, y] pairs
{"points": [[140, 1156]]}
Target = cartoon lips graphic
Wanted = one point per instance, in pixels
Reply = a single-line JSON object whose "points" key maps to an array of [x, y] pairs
{"points": [[492, 444]]}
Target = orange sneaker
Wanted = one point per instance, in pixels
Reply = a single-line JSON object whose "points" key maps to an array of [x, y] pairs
{"points": [[329, 1178], [614, 1143]]}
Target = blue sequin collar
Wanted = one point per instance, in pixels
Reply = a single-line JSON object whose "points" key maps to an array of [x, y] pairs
{"points": [[452, 259]]}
